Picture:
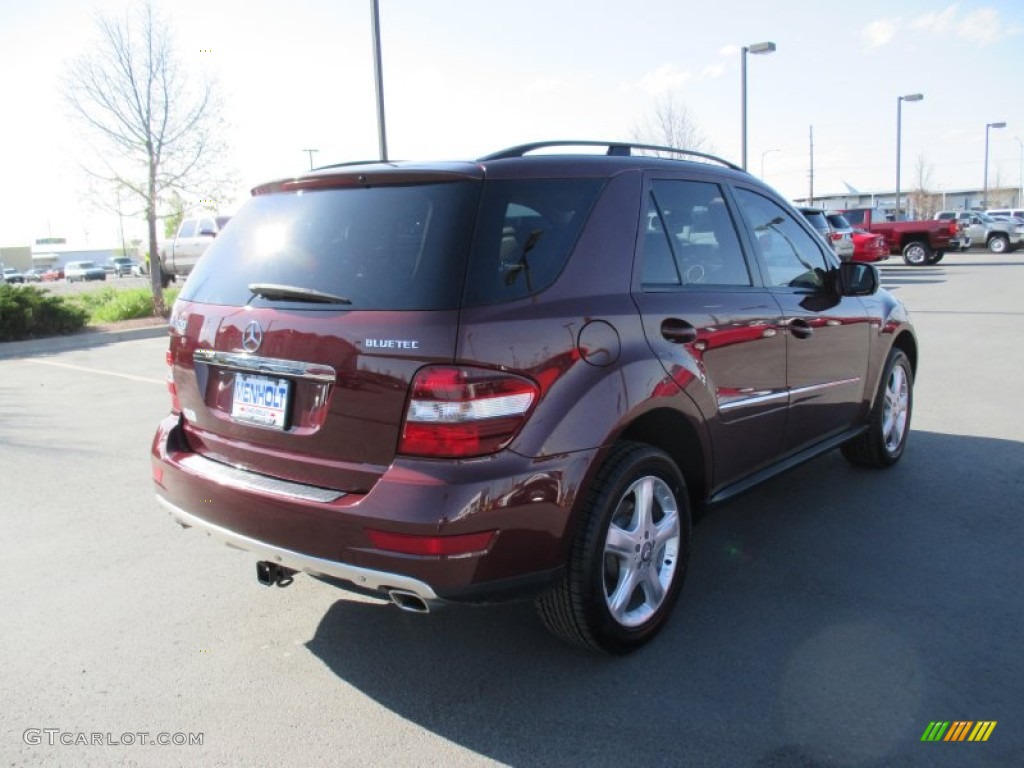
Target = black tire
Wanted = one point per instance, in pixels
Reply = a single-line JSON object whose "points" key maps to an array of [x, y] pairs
{"points": [[616, 595], [916, 253], [936, 257], [999, 244], [885, 439]]}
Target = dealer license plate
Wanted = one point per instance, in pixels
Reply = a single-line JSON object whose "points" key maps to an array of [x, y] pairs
{"points": [[261, 400]]}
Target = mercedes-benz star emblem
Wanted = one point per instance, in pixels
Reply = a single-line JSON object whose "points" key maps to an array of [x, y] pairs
{"points": [[252, 337]]}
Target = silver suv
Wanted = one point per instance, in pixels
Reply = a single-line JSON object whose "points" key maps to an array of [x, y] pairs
{"points": [[998, 235]]}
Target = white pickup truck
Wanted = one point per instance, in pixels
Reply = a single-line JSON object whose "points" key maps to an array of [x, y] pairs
{"points": [[179, 256]]}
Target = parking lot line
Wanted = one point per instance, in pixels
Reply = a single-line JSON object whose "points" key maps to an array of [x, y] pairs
{"points": [[132, 377]]}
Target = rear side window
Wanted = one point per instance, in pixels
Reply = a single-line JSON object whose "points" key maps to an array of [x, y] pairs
{"points": [[188, 228], [817, 220], [526, 230], [690, 238], [382, 248]]}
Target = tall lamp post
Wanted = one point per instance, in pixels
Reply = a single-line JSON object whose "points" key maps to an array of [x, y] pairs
{"points": [[899, 139], [1020, 174], [766, 152], [984, 198], [755, 48], [378, 79]]}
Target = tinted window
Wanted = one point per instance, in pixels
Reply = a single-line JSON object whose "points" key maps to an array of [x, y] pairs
{"points": [[817, 220], [838, 221], [188, 228], [690, 238], [525, 232], [206, 225], [385, 247], [791, 255]]}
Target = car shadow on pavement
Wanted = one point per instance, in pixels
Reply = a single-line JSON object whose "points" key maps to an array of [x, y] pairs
{"points": [[828, 616]]}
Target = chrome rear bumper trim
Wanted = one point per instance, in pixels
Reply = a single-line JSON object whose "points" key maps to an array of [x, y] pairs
{"points": [[363, 578], [254, 364], [241, 479]]}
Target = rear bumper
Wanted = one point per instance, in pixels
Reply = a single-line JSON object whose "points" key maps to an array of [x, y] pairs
{"points": [[363, 578], [527, 502]]}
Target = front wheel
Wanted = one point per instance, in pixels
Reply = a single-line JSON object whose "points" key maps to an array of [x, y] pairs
{"points": [[916, 253], [629, 557], [936, 257], [998, 244], [885, 439]]}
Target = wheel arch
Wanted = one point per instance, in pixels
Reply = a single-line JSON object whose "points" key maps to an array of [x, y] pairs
{"points": [[670, 431]]}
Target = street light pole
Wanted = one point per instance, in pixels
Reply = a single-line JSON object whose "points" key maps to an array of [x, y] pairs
{"points": [[378, 75], [899, 139], [755, 48], [984, 198], [766, 152], [1020, 174]]}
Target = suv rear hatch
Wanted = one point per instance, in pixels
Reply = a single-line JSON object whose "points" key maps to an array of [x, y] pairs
{"points": [[296, 337]]}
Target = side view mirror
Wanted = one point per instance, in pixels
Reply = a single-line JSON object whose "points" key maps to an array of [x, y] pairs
{"points": [[854, 278], [207, 233]]}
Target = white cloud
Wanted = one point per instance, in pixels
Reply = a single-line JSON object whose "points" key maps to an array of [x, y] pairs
{"points": [[938, 22], [711, 71], [665, 78], [729, 50], [880, 32], [983, 26]]}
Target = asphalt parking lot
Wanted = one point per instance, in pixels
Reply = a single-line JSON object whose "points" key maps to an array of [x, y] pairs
{"points": [[828, 616]]}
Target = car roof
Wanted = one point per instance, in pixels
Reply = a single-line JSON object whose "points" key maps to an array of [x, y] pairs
{"points": [[576, 159]]}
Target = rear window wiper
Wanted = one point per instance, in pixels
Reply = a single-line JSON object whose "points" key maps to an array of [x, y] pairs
{"points": [[274, 291]]}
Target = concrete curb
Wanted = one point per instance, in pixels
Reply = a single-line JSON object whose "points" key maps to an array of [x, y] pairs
{"points": [[53, 344]]}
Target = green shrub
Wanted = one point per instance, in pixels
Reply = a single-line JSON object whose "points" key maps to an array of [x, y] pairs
{"points": [[110, 305], [27, 312]]}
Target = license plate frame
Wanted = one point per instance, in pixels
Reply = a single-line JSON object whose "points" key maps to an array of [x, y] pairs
{"points": [[261, 401]]}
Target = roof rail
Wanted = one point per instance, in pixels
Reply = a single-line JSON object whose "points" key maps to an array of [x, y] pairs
{"points": [[614, 148]]}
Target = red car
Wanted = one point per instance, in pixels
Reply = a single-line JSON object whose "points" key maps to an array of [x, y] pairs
{"points": [[52, 274], [869, 247]]}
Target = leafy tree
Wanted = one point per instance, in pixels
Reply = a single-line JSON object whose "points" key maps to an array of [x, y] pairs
{"points": [[152, 129]]}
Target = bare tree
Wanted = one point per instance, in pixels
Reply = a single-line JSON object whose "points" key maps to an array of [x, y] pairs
{"points": [[152, 130], [671, 125], [923, 202]]}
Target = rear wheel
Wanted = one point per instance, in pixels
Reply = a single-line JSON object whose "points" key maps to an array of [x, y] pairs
{"points": [[998, 244], [882, 444], [629, 558], [916, 253]]}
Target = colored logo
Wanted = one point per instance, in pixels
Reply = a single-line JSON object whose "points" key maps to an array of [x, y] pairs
{"points": [[959, 730]]}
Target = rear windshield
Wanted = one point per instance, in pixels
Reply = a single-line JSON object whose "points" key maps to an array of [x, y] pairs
{"points": [[385, 247], [817, 219], [399, 247], [838, 221]]}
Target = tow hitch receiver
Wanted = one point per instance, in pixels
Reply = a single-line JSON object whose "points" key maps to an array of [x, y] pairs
{"points": [[268, 574]]}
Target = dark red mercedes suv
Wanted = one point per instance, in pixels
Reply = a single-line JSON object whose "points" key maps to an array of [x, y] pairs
{"points": [[476, 381]]}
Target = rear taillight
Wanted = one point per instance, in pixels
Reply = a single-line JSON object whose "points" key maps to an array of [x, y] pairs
{"points": [[835, 236], [456, 412], [172, 388]]}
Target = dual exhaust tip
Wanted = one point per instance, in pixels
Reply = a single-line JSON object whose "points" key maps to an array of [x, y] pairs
{"points": [[271, 574]]}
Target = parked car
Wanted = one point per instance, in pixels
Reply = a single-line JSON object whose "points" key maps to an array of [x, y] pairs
{"points": [[34, 275], [998, 235], [82, 271], [179, 256], [1015, 213], [52, 273], [869, 247], [920, 242], [11, 275], [119, 266], [828, 227], [842, 235], [517, 376]]}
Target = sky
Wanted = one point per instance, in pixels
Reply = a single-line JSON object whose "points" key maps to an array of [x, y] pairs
{"points": [[466, 77]]}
